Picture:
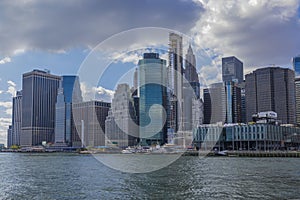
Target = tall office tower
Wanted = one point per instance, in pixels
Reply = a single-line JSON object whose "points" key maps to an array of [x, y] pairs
{"points": [[271, 89], [296, 65], [214, 103], [197, 112], [9, 136], [68, 93], [89, 119], [39, 90], [135, 79], [297, 91], [121, 123], [233, 102], [17, 118], [232, 69], [243, 102], [175, 78], [153, 99], [190, 72]]}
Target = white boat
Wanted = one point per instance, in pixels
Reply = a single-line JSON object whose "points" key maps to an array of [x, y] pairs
{"points": [[126, 151]]}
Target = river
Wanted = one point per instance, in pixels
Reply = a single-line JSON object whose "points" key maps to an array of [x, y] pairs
{"points": [[74, 176]]}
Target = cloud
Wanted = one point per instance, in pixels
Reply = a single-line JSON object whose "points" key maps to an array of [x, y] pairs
{"points": [[56, 26], [6, 104], [11, 88], [4, 123], [5, 60], [258, 32], [99, 93]]}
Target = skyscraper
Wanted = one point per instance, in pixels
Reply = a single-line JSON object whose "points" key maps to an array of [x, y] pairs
{"points": [[121, 126], [190, 72], [214, 103], [271, 89], [9, 136], [297, 92], [89, 119], [175, 82], [68, 93], [232, 69], [296, 65], [17, 118], [153, 99], [39, 90]]}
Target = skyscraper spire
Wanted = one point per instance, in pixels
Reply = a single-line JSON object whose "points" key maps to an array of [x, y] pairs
{"points": [[190, 71]]}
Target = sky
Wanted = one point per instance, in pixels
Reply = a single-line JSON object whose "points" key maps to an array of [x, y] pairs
{"points": [[61, 35]]}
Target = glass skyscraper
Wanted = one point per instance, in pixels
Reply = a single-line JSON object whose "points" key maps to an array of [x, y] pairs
{"points": [[68, 92], [153, 99], [232, 69], [17, 118], [39, 90], [296, 65]]}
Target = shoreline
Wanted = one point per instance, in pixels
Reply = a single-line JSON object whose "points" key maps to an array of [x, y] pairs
{"points": [[290, 154]]}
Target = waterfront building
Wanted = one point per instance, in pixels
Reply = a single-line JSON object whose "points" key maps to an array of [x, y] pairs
{"points": [[260, 137], [222, 103], [175, 81], [296, 65], [214, 103], [153, 99], [16, 118], [232, 69], [271, 89], [9, 136], [243, 102], [39, 92], [297, 94], [89, 119], [121, 127], [197, 112], [68, 93]]}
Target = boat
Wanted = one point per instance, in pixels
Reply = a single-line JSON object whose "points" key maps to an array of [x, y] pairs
{"points": [[221, 153]]}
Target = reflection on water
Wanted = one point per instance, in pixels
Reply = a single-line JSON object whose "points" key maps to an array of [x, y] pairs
{"points": [[73, 176]]}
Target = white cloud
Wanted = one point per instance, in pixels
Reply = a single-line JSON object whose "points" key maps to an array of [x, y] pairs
{"points": [[257, 32], [11, 88], [99, 93], [11, 83], [5, 60], [6, 104]]}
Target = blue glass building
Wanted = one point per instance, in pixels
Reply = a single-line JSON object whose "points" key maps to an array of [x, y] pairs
{"points": [[296, 65], [153, 99], [69, 92]]}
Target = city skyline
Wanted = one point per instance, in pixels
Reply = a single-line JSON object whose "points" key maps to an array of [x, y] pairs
{"points": [[33, 48]]}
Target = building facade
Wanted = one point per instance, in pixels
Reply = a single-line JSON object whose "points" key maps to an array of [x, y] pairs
{"points": [[17, 118], [153, 99], [89, 118], [296, 65], [9, 136], [68, 93], [297, 94], [39, 92], [232, 69], [190, 72], [214, 103], [271, 89], [121, 127], [175, 82], [260, 137]]}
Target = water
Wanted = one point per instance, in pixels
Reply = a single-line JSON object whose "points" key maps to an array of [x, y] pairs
{"points": [[74, 176]]}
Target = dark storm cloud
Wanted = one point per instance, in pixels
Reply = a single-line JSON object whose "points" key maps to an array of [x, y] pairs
{"points": [[59, 25]]}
